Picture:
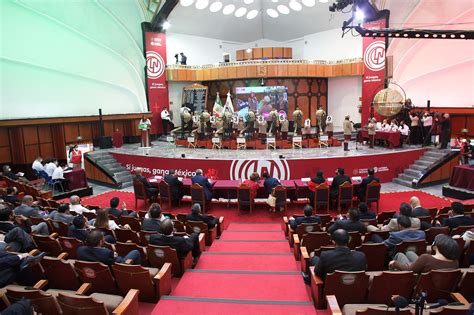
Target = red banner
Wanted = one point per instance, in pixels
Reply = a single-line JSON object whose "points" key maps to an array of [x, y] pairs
{"points": [[155, 47], [387, 166], [373, 52]]}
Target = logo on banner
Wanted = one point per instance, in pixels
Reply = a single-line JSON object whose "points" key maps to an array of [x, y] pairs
{"points": [[155, 65], [242, 169], [374, 56]]}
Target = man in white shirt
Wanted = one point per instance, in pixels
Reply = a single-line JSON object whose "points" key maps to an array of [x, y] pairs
{"points": [[75, 205], [50, 166], [37, 165], [427, 120], [58, 175], [404, 130]]}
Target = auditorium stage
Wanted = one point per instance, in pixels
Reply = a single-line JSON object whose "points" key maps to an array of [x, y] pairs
{"points": [[282, 163]]}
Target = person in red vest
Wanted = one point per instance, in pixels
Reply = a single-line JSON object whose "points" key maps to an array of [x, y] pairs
{"points": [[75, 156]]}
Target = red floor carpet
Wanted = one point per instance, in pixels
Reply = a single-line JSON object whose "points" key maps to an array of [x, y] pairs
{"points": [[237, 281]]}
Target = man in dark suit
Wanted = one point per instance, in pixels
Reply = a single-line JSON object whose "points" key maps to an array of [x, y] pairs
{"points": [[270, 182], [16, 268], [9, 221], [203, 181], [113, 210], [151, 191], [457, 217], [196, 215], [79, 229], [153, 222], [308, 218], [182, 244], [351, 224], [62, 214], [16, 236], [365, 214], [363, 185], [27, 208], [11, 196], [94, 251], [337, 181], [341, 258], [176, 186], [417, 209]]}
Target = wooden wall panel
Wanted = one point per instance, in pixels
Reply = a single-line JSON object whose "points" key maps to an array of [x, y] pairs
{"points": [[4, 141], [302, 70], [292, 70], [46, 150], [272, 70], [241, 72], [231, 72], [247, 54], [251, 71], [257, 53], [31, 152], [44, 134], [282, 70], [71, 131], [85, 131], [30, 135], [239, 55], [267, 53], [59, 141], [5, 155], [17, 147], [223, 73], [108, 128], [277, 52], [214, 74], [118, 124], [288, 53]]}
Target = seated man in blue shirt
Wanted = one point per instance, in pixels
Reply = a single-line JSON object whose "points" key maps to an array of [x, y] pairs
{"points": [[308, 218], [269, 182], [204, 182]]}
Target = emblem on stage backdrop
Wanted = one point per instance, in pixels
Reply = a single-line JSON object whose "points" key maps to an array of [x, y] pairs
{"points": [[242, 169], [374, 56], [155, 65]]}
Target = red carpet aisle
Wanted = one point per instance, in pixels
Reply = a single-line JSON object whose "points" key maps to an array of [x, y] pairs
{"points": [[250, 270]]}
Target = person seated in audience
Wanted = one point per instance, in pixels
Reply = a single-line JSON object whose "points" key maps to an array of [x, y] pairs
{"points": [[81, 229], [17, 229], [365, 214], [58, 176], [308, 218], [196, 215], [50, 166], [341, 258], [28, 209], [314, 183], [269, 182], [151, 192], [419, 211], [176, 186], [446, 257], [338, 180], [38, 165], [20, 307], [405, 210], [76, 206], [16, 268], [12, 196], [95, 251], [404, 232], [7, 172], [457, 217], [204, 182], [182, 244], [252, 183], [155, 217], [62, 214], [102, 221], [114, 202], [363, 185], [351, 224], [404, 132]]}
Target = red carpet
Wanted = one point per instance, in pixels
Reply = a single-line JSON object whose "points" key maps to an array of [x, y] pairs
{"points": [[261, 236], [261, 247], [248, 262]]}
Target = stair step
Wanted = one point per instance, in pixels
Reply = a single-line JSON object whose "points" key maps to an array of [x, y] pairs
{"points": [[423, 163], [405, 177], [435, 154], [412, 172], [402, 182], [429, 159], [417, 167]]}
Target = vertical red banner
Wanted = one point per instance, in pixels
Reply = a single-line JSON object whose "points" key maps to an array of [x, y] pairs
{"points": [[155, 47], [373, 53]]}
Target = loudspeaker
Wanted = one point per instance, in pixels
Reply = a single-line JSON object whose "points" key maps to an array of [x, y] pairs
{"points": [[428, 105], [103, 142]]}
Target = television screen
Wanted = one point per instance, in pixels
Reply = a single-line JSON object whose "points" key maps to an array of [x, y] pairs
{"points": [[261, 99]]}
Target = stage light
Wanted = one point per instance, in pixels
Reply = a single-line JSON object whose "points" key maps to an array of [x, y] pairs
{"points": [[283, 9], [248, 50], [295, 5], [248, 1], [186, 3], [359, 15], [228, 9], [202, 4], [252, 14], [166, 25], [272, 13], [309, 3], [216, 6], [240, 12]]}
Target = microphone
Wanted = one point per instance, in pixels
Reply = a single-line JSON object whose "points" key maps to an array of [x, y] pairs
{"points": [[441, 302]]}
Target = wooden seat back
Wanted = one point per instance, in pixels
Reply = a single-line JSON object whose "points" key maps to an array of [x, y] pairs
{"points": [[134, 223], [165, 193], [60, 274], [59, 227], [314, 240], [305, 228], [355, 240], [348, 287], [375, 254], [438, 284], [280, 194], [47, 244], [321, 196], [390, 283], [70, 246], [125, 235], [159, 255], [384, 216], [43, 302], [346, 194], [78, 305], [372, 193], [197, 196], [123, 249], [98, 275], [435, 230], [145, 237]]}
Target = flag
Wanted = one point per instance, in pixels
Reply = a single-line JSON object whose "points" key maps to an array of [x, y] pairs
{"points": [[228, 104], [218, 108]]}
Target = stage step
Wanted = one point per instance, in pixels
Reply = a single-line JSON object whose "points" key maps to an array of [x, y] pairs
{"points": [[107, 162], [412, 172], [402, 182]]}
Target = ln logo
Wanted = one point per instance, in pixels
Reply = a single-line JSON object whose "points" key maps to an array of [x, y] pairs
{"points": [[374, 56], [155, 65], [242, 169]]}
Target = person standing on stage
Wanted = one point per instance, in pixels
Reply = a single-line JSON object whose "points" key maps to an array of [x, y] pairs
{"points": [[347, 127], [427, 121], [75, 156], [144, 125], [320, 118], [329, 127], [404, 131], [445, 131], [262, 127], [284, 126], [297, 120], [166, 119], [371, 131], [415, 132]]}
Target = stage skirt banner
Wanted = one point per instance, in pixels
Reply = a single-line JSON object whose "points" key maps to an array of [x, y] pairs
{"points": [[387, 166], [155, 48], [373, 52]]}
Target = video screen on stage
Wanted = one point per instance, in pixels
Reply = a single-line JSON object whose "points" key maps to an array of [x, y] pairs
{"points": [[261, 100]]}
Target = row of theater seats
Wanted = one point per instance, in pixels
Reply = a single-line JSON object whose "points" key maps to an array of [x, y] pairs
{"points": [[33, 188]]}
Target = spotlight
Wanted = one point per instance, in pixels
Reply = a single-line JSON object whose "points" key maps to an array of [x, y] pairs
{"points": [[359, 15], [166, 25]]}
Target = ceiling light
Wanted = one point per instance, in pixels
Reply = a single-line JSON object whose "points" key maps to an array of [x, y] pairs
{"points": [[202, 4], [252, 14], [272, 13], [240, 12], [283, 9], [324, 1], [166, 25], [249, 50], [295, 5], [309, 3], [228, 9], [216, 6], [248, 1], [186, 3], [359, 15]]}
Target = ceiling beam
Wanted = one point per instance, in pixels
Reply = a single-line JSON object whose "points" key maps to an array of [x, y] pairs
{"points": [[162, 15]]}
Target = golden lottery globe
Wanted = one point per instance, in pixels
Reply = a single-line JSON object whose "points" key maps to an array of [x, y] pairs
{"points": [[388, 102]]}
